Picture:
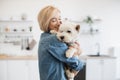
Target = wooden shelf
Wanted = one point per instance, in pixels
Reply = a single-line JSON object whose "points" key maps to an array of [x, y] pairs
{"points": [[16, 21], [16, 32]]}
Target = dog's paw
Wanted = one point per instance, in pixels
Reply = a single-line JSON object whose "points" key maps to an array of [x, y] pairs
{"points": [[70, 75]]}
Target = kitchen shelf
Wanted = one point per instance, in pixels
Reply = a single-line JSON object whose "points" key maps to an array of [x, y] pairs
{"points": [[16, 32], [16, 26], [16, 21]]}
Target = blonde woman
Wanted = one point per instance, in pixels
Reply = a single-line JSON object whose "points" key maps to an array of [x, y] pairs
{"points": [[51, 52]]}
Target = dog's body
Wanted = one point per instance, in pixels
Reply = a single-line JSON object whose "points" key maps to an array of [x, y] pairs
{"points": [[68, 33]]}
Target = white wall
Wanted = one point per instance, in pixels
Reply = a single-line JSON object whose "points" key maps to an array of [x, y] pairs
{"points": [[107, 10]]}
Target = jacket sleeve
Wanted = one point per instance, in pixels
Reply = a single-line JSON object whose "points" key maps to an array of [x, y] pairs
{"points": [[58, 51]]}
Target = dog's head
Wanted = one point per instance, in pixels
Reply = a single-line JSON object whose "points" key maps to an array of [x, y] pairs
{"points": [[68, 32]]}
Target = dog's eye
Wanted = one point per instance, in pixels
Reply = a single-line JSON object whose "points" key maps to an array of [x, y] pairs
{"points": [[68, 31]]}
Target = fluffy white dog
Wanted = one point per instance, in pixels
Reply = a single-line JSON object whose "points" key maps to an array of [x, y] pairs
{"points": [[68, 33]]}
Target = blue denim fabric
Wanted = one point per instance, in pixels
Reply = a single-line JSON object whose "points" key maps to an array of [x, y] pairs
{"points": [[51, 55]]}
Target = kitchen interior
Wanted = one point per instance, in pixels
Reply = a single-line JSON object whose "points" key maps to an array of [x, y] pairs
{"points": [[99, 37]]}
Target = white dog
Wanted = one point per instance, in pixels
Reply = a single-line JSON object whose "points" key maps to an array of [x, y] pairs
{"points": [[68, 33]]}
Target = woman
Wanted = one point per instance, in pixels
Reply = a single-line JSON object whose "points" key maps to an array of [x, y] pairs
{"points": [[51, 51]]}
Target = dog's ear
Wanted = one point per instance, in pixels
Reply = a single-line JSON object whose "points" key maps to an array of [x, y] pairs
{"points": [[78, 28]]}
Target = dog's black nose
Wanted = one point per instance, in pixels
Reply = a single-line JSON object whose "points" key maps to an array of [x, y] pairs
{"points": [[62, 37]]}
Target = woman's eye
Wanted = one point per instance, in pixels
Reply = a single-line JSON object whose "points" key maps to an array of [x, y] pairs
{"points": [[53, 19], [68, 31], [61, 31]]}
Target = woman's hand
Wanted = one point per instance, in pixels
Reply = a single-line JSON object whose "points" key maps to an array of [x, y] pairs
{"points": [[79, 51]]}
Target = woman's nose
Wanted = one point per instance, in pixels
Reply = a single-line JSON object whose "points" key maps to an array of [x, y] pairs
{"points": [[59, 23]]}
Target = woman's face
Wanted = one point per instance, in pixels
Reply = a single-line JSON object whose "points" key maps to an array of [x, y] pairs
{"points": [[55, 22]]}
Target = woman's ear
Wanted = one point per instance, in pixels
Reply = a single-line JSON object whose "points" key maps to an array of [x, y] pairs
{"points": [[78, 28]]}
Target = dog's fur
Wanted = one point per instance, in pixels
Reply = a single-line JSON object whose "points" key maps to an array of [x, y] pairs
{"points": [[68, 33]]}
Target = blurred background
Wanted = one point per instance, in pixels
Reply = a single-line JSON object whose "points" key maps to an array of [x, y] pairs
{"points": [[20, 33]]}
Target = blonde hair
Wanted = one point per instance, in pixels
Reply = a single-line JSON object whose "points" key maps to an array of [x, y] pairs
{"points": [[45, 15]]}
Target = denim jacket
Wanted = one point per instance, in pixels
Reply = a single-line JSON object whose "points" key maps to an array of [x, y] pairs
{"points": [[51, 55]]}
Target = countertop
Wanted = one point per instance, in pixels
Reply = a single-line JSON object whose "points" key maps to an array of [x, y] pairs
{"points": [[35, 57], [97, 57], [27, 57]]}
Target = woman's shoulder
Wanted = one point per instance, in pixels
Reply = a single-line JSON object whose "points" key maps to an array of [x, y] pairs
{"points": [[48, 37], [51, 38]]}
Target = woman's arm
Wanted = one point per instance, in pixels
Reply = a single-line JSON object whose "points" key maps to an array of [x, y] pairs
{"points": [[58, 51]]}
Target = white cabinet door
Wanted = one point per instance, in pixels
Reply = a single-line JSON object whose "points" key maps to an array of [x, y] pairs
{"points": [[93, 69], [33, 70], [100, 69], [3, 70], [109, 69], [17, 70]]}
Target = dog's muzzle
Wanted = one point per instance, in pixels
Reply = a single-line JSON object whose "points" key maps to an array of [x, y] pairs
{"points": [[61, 37]]}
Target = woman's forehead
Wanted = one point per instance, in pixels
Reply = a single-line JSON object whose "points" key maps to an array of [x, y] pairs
{"points": [[56, 14]]}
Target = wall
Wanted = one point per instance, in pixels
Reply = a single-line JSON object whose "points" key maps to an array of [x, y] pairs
{"points": [[107, 10]]}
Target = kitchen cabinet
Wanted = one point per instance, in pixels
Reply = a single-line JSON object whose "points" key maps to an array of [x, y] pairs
{"points": [[100, 69], [19, 69], [33, 70], [3, 70]]}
